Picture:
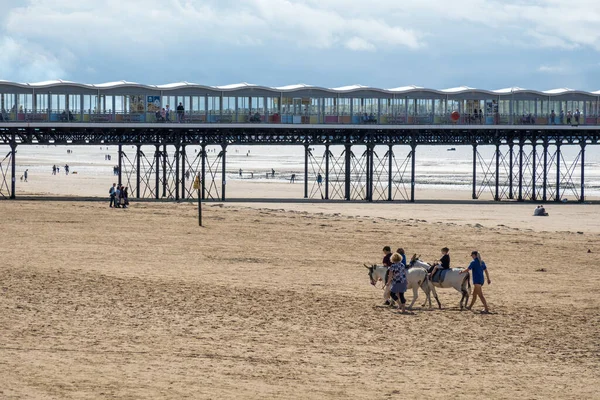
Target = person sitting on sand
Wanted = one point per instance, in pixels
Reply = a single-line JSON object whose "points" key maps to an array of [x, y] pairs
{"points": [[540, 211], [397, 280], [478, 267], [444, 262]]}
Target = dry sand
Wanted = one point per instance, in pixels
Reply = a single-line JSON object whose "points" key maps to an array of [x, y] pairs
{"points": [[261, 303]]}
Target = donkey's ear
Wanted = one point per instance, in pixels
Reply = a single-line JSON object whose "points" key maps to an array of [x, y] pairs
{"points": [[366, 266]]}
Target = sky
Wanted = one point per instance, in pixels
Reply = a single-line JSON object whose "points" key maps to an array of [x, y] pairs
{"points": [[487, 44]]}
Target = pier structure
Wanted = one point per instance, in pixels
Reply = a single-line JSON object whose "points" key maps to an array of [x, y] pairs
{"points": [[527, 128]]}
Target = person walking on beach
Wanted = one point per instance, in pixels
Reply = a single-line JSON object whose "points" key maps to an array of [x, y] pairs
{"points": [[319, 179], [54, 169], [293, 178], [125, 198], [117, 197], [113, 193], [397, 280], [478, 268], [387, 262], [403, 255], [25, 174]]}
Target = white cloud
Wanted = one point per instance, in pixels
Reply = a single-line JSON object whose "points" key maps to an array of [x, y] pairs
{"points": [[359, 44], [552, 69], [28, 62]]}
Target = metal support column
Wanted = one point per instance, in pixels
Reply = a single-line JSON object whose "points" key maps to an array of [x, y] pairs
{"points": [[13, 167], [371, 171], [223, 177], [326, 172], [390, 166], [510, 170], [533, 168], [520, 198], [177, 171], [497, 193], [412, 172], [203, 171], [157, 157], [164, 159], [347, 153], [183, 168], [558, 160], [120, 163], [474, 195], [582, 196], [138, 171], [545, 175], [306, 152]]}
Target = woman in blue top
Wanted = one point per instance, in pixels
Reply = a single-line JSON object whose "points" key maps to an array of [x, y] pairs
{"points": [[478, 268], [398, 280]]}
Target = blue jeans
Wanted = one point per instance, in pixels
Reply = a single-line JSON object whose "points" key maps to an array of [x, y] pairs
{"points": [[112, 200]]}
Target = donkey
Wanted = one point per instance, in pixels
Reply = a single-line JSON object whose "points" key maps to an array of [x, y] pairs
{"points": [[453, 279], [416, 277]]}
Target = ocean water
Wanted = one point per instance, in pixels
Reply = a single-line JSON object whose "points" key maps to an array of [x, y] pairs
{"points": [[436, 167]]}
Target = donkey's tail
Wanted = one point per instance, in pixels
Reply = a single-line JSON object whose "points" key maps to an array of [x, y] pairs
{"points": [[468, 278]]}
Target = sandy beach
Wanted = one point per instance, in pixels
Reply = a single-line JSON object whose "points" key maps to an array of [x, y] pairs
{"points": [[272, 301]]}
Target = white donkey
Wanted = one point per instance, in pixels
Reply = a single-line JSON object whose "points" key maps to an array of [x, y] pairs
{"points": [[416, 278], [452, 279]]}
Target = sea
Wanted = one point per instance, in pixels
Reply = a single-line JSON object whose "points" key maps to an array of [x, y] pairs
{"points": [[437, 167]]}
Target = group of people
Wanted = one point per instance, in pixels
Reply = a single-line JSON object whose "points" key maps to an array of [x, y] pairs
{"points": [[56, 170], [119, 197], [396, 282], [572, 118], [164, 114]]}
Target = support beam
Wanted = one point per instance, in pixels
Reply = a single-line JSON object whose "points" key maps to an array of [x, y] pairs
{"points": [[520, 197], [13, 167], [306, 153], [203, 172], [412, 172], [497, 193], [510, 170], [371, 171], [582, 195], [534, 168], [183, 169], [157, 158], [390, 166], [545, 176], [326, 172], [474, 194], [164, 159], [557, 197], [177, 171], [347, 186], [138, 177], [223, 169], [120, 164]]}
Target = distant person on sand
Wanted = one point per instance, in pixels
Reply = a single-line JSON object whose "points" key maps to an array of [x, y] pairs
{"points": [[125, 198], [293, 178], [54, 170], [25, 174], [113, 193], [240, 172], [272, 172], [478, 268], [540, 211], [319, 179]]}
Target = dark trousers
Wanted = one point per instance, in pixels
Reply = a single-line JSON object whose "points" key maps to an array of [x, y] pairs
{"points": [[112, 201], [395, 297]]}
